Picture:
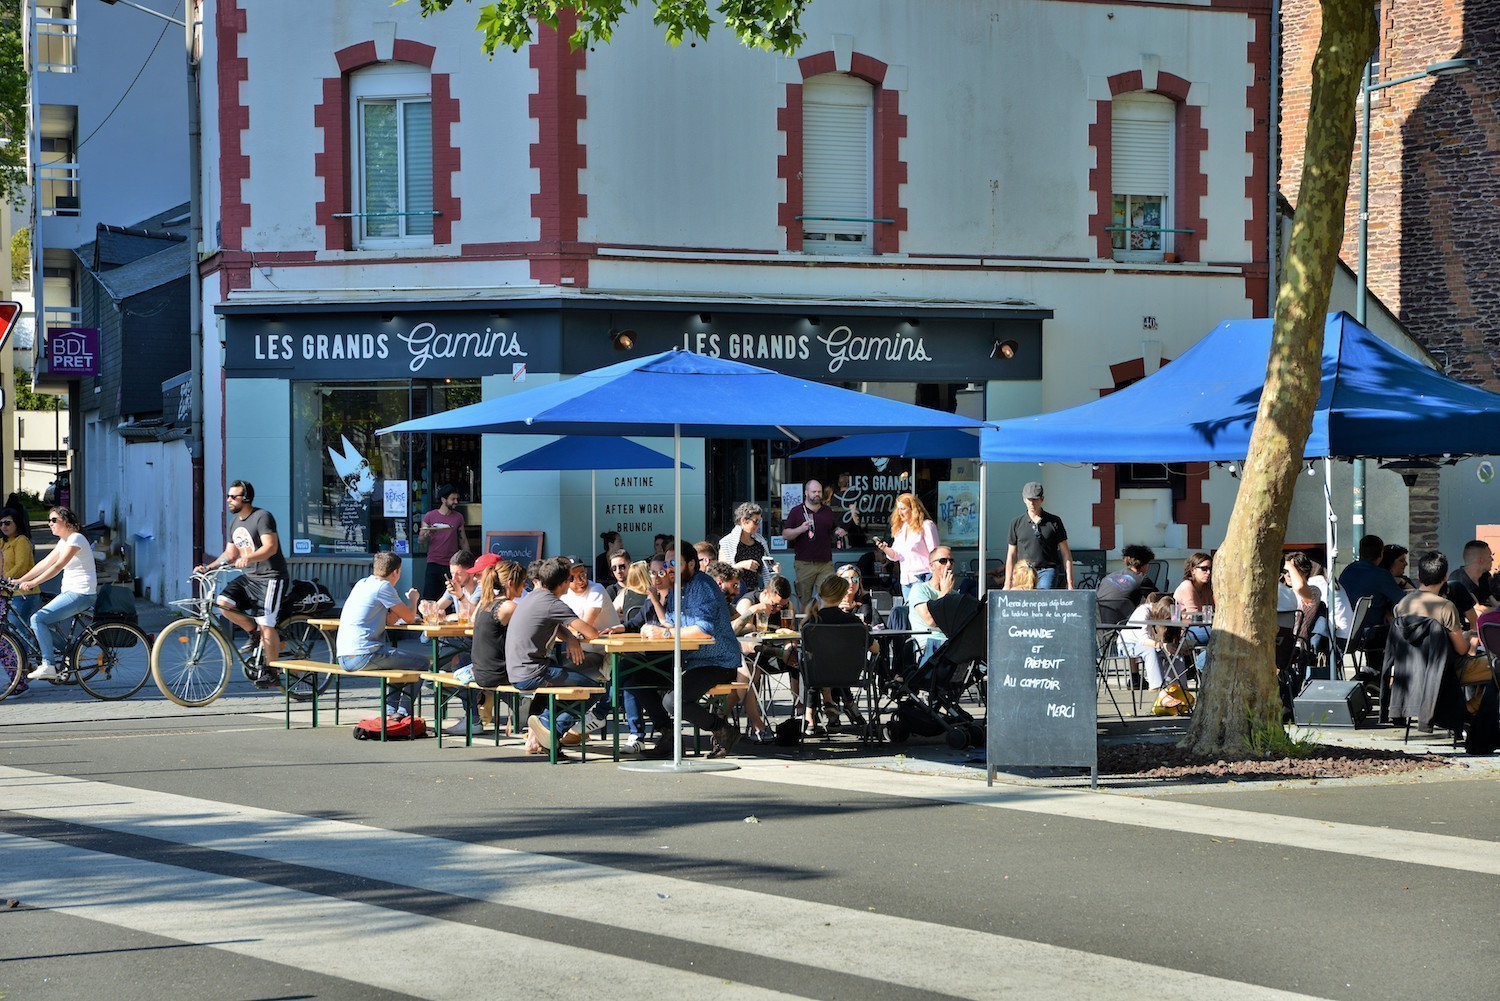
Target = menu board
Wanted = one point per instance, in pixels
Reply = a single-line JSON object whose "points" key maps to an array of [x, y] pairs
{"points": [[1042, 709]]}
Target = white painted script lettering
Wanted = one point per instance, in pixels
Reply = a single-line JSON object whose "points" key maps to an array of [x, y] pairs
{"points": [[426, 343], [844, 345]]}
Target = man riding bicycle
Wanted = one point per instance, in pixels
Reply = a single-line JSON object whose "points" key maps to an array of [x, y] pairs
{"points": [[252, 600]]}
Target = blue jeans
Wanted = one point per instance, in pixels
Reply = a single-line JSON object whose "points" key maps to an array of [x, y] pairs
{"points": [[906, 588], [398, 698], [25, 605], [562, 677], [1046, 580], [58, 610]]}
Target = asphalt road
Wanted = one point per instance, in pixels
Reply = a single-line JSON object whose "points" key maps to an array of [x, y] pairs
{"points": [[227, 858]]}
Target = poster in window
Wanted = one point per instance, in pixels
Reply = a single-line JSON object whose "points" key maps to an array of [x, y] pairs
{"points": [[354, 472], [395, 492], [958, 512]]}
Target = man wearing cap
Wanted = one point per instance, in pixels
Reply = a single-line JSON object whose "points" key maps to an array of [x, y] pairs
{"points": [[1039, 538]]}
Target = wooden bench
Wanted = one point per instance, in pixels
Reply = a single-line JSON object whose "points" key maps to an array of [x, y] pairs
{"points": [[566, 696], [387, 678]]}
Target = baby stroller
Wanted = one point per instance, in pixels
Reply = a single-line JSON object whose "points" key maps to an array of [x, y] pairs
{"points": [[928, 694]]}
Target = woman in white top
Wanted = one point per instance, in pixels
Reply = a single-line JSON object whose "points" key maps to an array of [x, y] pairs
{"points": [[913, 538], [74, 559]]}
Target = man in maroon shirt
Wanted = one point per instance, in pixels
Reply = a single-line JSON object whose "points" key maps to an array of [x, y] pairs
{"points": [[443, 531], [810, 528]]}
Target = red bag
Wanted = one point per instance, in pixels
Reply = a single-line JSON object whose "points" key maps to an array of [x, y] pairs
{"points": [[396, 728]]}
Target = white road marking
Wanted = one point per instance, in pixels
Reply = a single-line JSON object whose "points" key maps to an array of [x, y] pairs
{"points": [[395, 950], [1415, 847], [954, 961]]}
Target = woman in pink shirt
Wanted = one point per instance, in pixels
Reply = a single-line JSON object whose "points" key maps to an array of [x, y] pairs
{"points": [[913, 538]]}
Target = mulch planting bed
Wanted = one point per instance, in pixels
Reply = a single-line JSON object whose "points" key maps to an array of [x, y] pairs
{"points": [[1168, 761]]}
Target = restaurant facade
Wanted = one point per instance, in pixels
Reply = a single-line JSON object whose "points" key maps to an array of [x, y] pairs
{"points": [[992, 209]]}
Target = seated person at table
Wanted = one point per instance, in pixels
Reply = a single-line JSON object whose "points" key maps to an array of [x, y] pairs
{"points": [[361, 643], [1395, 559], [1472, 668], [461, 589], [590, 603], [1470, 587], [826, 609], [923, 591], [1144, 642], [1123, 591], [774, 601], [658, 585], [632, 590], [707, 553], [1365, 579], [727, 576], [857, 601], [619, 570], [537, 622], [498, 588], [533, 576], [703, 614]]}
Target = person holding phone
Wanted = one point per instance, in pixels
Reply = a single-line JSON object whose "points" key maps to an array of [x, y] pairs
{"points": [[913, 538]]}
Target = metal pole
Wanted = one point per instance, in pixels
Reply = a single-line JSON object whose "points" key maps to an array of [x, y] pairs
{"points": [[1335, 658], [1361, 290], [593, 516], [677, 596], [195, 288], [984, 502]]}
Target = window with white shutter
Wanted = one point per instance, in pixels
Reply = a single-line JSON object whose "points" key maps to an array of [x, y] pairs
{"points": [[837, 166], [392, 156], [1141, 175]]}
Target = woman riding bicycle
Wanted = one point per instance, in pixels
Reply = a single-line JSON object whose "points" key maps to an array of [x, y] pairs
{"points": [[17, 558], [74, 559]]}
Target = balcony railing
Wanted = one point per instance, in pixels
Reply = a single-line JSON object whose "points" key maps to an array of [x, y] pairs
{"points": [[61, 317], [56, 44], [59, 182]]}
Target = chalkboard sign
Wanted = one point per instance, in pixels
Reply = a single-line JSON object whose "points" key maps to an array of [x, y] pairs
{"points": [[1041, 708], [517, 546]]}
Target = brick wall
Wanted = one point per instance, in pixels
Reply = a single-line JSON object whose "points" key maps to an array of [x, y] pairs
{"points": [[1434, 249]]}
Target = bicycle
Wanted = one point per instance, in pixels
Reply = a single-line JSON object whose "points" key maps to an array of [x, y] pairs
{"points": [[109, 660], [192, 658]]}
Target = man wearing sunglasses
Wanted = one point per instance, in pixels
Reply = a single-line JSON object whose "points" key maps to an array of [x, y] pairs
{"points": [[252, 600], [922, 591], [1039, 538]]}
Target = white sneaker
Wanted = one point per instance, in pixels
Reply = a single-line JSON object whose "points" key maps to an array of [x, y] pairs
{"points": [[633, 744], [458, 729], [44, 673]]}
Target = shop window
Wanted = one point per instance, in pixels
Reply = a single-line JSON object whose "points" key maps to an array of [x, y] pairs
{"points": [[341, 470], [1141, 173], [392, 157], [837, 169]]}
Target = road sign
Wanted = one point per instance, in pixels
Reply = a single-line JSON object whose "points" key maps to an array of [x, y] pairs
{"points": [[10, 312]]}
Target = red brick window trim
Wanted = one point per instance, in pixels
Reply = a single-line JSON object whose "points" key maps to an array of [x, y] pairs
{"points": [[889, 169], [333, 164], [1190, 183]]}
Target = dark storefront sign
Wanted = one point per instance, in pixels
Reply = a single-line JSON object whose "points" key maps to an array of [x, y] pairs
{"points": [[413, 342], [73, 351]]}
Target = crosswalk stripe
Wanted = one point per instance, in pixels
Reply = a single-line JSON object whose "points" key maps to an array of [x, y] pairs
{"points": [[390, 949], [1390, 844], [950, 960]]}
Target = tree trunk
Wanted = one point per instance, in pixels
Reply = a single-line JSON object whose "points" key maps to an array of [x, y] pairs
{"points": [[1239, 695]]}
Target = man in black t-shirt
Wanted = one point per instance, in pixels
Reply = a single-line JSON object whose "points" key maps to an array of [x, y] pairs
{"points": [[1470, 587], [1039, 538], [1122, 592], [252, 600]]}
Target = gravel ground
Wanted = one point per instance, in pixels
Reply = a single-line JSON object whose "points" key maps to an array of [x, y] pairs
{"points": [[1157, 760]]}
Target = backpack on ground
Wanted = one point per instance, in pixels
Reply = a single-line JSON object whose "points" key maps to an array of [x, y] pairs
{"points": [[396, 728]]}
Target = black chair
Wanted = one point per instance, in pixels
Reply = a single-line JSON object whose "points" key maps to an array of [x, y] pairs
{"points": [[834, 655], [1354, 643], [1157, 571]]}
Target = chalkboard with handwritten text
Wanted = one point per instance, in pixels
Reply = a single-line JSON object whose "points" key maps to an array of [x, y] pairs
{"points": [[1041, 709], [516, 546]]}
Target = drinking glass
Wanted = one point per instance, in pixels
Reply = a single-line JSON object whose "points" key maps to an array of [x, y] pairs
{"points": [[762, 620]]}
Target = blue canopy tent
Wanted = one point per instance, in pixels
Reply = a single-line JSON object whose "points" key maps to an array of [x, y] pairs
{"points": [[1375, 402], [591, 453], [944, 443], [697, 397]]}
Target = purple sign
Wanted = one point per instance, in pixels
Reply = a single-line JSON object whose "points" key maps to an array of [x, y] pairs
{"points": [[73, 351]]}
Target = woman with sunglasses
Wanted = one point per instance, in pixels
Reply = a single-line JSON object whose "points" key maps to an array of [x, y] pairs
{"points": [[913, 538], [72, 557], [746, 550], [16, 560]]}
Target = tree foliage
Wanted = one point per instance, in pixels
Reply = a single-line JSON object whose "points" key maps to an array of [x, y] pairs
{"points": [[20, 256], [1240, 702], [29, 399], [13, 109], [774, 25]]}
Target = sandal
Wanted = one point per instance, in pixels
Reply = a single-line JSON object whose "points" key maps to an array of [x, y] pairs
{"points": [[856, 718], [831, 715]]}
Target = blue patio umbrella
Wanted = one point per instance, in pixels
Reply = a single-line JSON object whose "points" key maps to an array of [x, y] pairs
{"points": [[591, 453], [697, 397], [943, 443]]}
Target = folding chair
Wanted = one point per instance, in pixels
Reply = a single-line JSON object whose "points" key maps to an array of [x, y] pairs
{"points": [[1354, 643], [883, 602], [1157, 571], [835, 656]]}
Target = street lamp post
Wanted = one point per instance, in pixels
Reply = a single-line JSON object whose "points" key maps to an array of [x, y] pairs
{"points": [[1446, 67]]}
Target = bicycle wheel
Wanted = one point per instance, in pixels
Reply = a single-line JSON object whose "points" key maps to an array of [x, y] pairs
{"points": [[13, 666], [190, 662], [301, 640], [112, 660]]}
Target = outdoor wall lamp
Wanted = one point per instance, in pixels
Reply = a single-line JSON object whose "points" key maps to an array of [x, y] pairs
{"points": [[1005, 350], [623, 340], [705, 317]]}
